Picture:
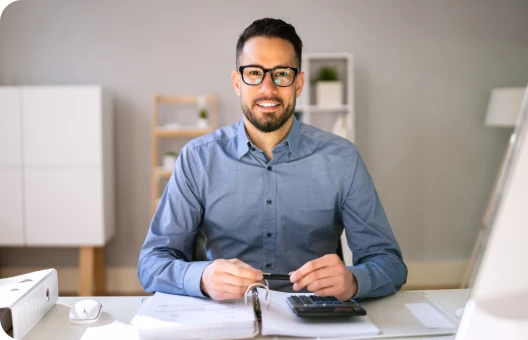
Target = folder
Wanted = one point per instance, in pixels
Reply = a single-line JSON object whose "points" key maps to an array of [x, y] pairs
{"points": [[25, 299]]}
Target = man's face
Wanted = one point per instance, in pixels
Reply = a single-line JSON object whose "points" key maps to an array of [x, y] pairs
{"points": [[267, 106]]}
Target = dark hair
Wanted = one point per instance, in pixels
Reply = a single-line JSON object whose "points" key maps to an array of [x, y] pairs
{"points": [[270, 28]]}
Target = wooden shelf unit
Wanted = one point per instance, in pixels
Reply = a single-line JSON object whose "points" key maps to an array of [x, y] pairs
{"points": [[189, 132]]}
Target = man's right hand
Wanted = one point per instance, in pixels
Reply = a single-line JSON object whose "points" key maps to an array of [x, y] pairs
{"points": [[228, 279]]}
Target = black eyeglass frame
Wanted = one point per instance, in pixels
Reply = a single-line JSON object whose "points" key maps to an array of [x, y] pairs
{"points": [[270, 71]]}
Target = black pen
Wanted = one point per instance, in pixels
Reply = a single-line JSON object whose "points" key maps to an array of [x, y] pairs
{"points": [[269, 276]]}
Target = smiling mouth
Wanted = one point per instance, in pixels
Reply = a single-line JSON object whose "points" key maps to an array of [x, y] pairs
{"points": [[267, 105]]}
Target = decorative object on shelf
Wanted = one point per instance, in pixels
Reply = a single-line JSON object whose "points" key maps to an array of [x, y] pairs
{"points": [[328, 88], [203, 120], [169, 160]]}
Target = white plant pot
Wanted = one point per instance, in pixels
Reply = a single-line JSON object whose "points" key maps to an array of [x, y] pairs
{"points": [[329, 93], [168, 162], [203, 123]]}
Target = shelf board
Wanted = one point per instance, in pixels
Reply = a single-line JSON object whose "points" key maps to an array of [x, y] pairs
{"points": [[188, 132], [318, 108], [160, 172]]}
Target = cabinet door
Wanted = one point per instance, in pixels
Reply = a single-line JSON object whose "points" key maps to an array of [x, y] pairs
{"points": [[62, 125], [11, 213], [10, 129], [63, 206], [11, 208]]}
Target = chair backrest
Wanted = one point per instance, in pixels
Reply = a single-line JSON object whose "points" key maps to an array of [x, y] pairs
{"points": [[199, 248]]}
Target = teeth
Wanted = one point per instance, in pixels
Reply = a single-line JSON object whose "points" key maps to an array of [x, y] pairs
{"points": [[268, 104]]}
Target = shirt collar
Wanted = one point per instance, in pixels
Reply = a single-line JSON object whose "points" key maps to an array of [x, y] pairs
{"points": [[243, 142], [294, 137]]}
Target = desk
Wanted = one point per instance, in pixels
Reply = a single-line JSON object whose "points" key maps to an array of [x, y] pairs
{"points": [[55, 324]]}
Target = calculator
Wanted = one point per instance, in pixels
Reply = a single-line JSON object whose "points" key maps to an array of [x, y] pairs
{"points": [[323, 306]]}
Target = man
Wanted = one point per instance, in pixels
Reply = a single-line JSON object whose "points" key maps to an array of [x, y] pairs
{"points": [[270, 194]]}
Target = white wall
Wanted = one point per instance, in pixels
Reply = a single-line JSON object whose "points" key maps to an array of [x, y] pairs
{"points": [[423, 70]]}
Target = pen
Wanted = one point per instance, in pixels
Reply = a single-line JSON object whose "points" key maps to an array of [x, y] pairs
{"points": [[269, 276]]}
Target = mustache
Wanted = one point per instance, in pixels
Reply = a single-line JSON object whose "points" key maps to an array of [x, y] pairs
{"points": [[268, 99]]}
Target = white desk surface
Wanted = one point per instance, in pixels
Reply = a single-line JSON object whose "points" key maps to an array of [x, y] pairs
{"points": [[55, 324]]}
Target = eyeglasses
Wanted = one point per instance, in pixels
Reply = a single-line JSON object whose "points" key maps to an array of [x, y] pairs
{"points": [[281, 76]]}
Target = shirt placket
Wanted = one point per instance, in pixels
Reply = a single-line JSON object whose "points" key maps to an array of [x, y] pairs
{"points": [[270, 220]]}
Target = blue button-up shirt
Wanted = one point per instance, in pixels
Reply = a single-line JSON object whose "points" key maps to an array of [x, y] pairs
{"points": [[274, 215]]}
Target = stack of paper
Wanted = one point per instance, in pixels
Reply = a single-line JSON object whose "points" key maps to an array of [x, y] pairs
{"points": [[165, 316]]}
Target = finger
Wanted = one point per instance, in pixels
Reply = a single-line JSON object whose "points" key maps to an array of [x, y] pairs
{"points": [[327, 291], [311, 277], [327, 283], [237, 281], [309, 267], [241, 269]]}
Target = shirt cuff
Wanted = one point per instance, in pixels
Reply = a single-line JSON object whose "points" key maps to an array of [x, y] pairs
{"points": [[192, 278], [363, 281]]}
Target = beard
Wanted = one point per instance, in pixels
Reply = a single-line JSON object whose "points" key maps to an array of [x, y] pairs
{"points": [[269, 122]]}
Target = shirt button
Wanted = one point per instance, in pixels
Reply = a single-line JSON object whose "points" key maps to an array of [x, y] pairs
{"points": [[269, 202], [268, 265], [269, 234], [269, 168], [253, 149]]}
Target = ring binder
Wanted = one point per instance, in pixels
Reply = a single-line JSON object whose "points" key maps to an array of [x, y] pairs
{"points": [[166, 317], [253, 288], [24, 300]]}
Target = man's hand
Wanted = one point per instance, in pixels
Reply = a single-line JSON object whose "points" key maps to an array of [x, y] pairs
{"points": [[228, 279], [326, 276]]}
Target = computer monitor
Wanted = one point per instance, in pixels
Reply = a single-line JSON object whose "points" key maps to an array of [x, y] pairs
{"points": [[498, 304]]}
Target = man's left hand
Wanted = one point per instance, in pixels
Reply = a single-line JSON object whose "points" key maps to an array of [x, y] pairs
{"points": [[326, 276]]}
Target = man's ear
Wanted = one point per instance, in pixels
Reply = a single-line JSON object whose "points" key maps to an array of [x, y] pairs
{"points": [[299, 84], [235, 78]]}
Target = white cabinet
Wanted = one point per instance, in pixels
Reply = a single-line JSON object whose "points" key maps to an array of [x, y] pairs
{"points": [[56, 166]]}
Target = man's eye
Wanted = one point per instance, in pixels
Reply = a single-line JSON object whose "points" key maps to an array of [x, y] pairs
{"points": [[255, 73]]}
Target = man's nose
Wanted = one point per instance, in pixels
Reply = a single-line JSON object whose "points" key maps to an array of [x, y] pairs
{"points": [[268, 85]]}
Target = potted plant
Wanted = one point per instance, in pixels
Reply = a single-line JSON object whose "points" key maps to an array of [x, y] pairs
{"points": [[203, 121], [328, 88], [169, 160]]}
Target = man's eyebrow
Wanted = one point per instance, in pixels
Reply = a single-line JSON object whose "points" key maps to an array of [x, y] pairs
{"points": [[271, 68]]}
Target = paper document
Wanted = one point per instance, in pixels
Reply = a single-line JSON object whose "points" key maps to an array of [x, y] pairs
{"points": [[279, 319], [428, 316], [166, 316]]}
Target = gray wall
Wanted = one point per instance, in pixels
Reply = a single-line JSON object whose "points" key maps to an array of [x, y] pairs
{"points": [[423, 73]]}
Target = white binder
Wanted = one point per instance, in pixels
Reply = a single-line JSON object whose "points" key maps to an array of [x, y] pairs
{"points": [[25, 299]]}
